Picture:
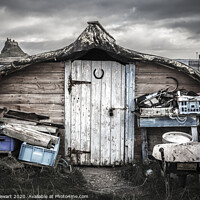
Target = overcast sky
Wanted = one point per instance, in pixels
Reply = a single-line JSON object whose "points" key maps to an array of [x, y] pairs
{"points": [[169, 28]]}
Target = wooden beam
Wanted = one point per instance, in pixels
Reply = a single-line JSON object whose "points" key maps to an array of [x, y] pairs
{"points": [[24, 115], [29, 135], [195, 135], [16, 121], [41, 128], [144, 144], [26, 135], [167, 122]]}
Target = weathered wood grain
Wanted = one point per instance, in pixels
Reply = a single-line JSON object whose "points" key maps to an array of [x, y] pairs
{"points": [[105, 117], [50, 67], [41, 128], [130, 94], [39, 108], [16, 121], [195, 134], [32, 99], [26, 135], [151, 77], [188, 152], [148, 88], [96, 115], [115, 120], [32, 88], [75, 110], [122, 114], [67, 108], [34, 78], [38, 88], [167, 122], [144, 144], [161, 78], [85, 123]]}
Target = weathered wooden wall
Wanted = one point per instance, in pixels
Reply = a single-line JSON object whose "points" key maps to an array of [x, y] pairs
{"points": [[149, 79], [38, 88]]}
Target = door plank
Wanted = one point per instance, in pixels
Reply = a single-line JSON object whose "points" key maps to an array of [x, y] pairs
{"points": [[67, 108], [76, 110], [122, 114], [96, 115], [105, 117], [115, 120], [85, 113], [130, 94]]}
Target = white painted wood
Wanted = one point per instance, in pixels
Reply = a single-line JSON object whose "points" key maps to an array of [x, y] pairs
{"points": [[96, 115], [115, 119], [195, 134], [105, 117], [130, 95], [122, 114], [130, 117], [187, 152], [92, 128], [76, 110], [67, 108], [85, 113], [127, 155]]}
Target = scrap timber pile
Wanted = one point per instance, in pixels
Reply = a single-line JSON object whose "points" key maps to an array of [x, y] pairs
{"points": [[30, 129], [178, 152], [176, 104]]}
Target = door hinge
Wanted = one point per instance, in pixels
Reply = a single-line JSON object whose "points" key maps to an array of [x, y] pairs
{"points": [[75, 151], [71, 83]]}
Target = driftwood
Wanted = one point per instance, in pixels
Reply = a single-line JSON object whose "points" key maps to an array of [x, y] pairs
{"points": [[26, 118], [41, 128], [95, 37], [26, 128], [187, 152], [2, 112], [16, 121], [26, 136], [30, 136], [24, 115]]}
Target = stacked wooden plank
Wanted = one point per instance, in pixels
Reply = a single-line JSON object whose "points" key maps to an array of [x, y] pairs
{"points": [[28, 127]]}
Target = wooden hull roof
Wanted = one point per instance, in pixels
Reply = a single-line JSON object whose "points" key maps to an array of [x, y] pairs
{"points": [[96, 37]]}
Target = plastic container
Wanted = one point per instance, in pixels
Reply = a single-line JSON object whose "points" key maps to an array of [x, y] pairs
{"points": [[176, 137], [8, 143], [189, 104], [39, 155]]}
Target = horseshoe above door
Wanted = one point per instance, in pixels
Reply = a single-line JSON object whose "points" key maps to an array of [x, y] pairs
{"points": [[100, 77]]}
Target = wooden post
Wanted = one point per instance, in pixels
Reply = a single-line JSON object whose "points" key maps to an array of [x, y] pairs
{"points": [[194, 132], [144, 144]]}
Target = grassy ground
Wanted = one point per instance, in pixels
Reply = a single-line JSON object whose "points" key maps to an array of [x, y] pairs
{"points": [[27, 182]]}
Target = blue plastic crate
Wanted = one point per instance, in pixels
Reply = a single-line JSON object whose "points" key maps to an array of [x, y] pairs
{"points": [[39, 155], [8, 143]]}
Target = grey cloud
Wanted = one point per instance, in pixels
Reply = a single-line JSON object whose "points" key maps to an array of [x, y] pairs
{"points": [[158, 9], [39, 47], [60, 22]]}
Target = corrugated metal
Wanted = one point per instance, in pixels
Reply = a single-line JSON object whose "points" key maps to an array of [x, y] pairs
{"points": [[98, 137]]}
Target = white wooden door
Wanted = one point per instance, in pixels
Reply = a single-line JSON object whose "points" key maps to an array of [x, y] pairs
{"points": [[95, 112]]}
